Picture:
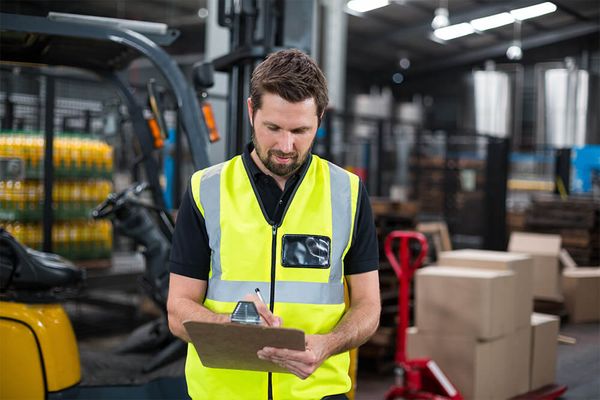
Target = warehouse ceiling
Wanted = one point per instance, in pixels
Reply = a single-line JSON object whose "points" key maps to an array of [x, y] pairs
{"points": [[377, 40], [182, 15]]}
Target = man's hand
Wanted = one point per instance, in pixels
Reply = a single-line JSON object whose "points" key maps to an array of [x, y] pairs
{"points": [[356, 326], [300, 363], [183, 304], [266, 315]]}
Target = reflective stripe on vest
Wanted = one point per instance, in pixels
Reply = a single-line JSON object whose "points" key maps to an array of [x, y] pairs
{"points": [[210, 198]]}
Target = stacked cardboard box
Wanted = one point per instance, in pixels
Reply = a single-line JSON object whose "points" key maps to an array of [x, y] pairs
{"points": [[520, 264], [464, 322], [518, 340], [544, 334], [545, 251], [581, 289], [475, 367]]}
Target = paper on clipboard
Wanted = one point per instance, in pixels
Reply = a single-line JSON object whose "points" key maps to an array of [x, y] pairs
{"points": [[234, 346]]}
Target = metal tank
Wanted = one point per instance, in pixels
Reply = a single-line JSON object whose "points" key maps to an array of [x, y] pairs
{"points": [[409, 118], [492, 102], [563, 100]]}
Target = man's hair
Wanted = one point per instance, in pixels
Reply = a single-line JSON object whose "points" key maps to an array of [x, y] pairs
{"points": [[293, 76]]}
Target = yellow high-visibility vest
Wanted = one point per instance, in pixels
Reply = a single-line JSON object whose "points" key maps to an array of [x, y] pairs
{"points": [[247, 252]]}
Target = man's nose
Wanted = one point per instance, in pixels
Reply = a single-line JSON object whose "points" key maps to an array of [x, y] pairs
{"points": [[286, 143]]}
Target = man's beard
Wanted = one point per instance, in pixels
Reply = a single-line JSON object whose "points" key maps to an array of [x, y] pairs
{"points": [[283, 170]]}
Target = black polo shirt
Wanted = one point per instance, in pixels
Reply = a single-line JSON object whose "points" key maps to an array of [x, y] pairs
{"points": [[190, 252]]}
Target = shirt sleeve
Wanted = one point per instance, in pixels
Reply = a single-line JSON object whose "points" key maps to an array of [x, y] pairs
{"points": [[363, 255], [190, 252]]}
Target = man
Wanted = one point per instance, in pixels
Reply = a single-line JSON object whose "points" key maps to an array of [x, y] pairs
{"points": [[293, 225]]}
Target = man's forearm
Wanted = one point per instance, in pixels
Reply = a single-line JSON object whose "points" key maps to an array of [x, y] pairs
{"points": [[183, 309], [357, 325], [355, 328]]}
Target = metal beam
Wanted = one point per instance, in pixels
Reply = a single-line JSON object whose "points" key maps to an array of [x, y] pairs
{"points": [[195, 128], [144, 136], [570, 11], [366, 47], [531, 42]]}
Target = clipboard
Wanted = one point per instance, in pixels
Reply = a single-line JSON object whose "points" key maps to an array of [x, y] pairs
{"points": [[234, 346]]}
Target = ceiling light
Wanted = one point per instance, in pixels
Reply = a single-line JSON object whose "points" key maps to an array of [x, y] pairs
{"points": [[454, 31], [398, 78], [441, 18], [404, 63], [514, 52], [202, 12], [533, 11], [493, 21], [366, 5]]}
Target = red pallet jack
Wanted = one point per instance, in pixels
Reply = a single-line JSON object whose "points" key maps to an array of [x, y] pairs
{"points": [[418, 378], [422, 378]]}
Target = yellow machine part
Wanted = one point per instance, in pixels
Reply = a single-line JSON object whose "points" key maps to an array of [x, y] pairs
{"points": [[28, 331], [21, 372]]}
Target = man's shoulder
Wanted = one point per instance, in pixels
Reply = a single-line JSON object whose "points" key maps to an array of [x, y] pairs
{"points": [[212, 170], [331, 165], [335, 167]]}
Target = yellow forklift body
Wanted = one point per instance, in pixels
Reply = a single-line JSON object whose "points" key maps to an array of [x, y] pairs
{"points": [[21, 373], [31, 331]]}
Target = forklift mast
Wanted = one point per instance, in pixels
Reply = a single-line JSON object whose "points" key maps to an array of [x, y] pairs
{"points": [[258, 28]]}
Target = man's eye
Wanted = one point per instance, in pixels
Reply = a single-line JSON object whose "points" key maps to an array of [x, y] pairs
{"points": [[273, 128]]}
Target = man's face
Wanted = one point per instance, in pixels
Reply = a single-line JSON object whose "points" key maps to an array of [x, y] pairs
{"points": [[283, 132]]}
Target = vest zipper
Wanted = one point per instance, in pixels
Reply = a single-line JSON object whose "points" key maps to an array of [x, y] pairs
{"points": [[272, 298]]}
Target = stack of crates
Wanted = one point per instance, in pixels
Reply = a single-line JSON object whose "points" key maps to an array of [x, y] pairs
{"points": [[82, 179]]}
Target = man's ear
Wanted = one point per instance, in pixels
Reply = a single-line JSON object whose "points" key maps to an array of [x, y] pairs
{"points": [[250, 110], [320, 118]]}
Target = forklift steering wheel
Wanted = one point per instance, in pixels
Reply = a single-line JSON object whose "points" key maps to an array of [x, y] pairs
{"points": [[115, 200]]}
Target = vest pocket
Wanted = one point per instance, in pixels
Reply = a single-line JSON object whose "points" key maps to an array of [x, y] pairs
{"points": [[305, 251]]}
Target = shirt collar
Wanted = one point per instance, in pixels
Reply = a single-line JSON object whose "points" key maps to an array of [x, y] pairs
{"points": [[256, 173]]}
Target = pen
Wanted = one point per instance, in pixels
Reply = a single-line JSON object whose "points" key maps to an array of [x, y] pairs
{"points": [[257, 291]]}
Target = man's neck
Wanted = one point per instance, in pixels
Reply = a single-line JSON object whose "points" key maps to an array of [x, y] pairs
{"points": [[280, 180]]}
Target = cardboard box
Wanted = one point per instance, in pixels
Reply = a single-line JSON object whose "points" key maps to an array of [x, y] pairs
{"points": [[519, 365], [465, 301], [545, 250], [520, 264], [566, 260], [581, 289], [476, 368], [544, 345]]}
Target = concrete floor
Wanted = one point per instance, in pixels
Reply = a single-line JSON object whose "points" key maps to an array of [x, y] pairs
{"points": [[578, 364], [578, 367]]}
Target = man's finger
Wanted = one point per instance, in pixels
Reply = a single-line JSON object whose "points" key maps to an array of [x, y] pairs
{"points": [[306, 356], [263, 310], [299, 369]]}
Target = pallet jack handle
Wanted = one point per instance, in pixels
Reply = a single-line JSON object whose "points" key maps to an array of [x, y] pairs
{"points": [[404, 270]]}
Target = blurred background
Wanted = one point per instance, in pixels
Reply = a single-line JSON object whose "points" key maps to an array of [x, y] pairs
{"points": [[477, 116]]}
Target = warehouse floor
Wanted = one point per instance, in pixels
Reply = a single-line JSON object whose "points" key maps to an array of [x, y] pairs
{"points": [[578, 364], [578, 367]]}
